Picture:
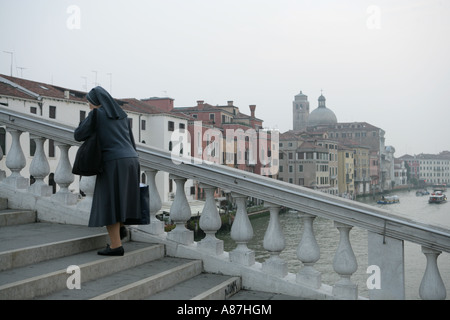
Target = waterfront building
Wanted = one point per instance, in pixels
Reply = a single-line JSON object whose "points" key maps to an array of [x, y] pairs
{"points": [[400, 174], [414, 167], [240, 140], [309, 160], [379, 175], [346, 172], [362, 179], [429, 169], [155, 122]]}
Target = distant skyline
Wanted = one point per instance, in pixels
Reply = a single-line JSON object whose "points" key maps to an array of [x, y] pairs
{"points": [[382, 62]]}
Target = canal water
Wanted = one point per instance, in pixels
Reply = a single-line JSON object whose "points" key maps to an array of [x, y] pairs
{"points": [[327, 236]]}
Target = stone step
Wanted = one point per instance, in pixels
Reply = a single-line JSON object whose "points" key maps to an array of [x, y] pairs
{"points": [[132, 283], [48, 277], [26, 244], [10, 217], [204, 286], [38, 260]]}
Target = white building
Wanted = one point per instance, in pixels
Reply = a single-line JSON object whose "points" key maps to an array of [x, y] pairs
{"points": [[434, 168], [65, 106]]}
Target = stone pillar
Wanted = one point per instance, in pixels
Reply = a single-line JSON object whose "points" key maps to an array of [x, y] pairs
{"points": [[40, 169], [274, 242], [432, 287], [242, 233], [15, 161], [180, 213], [210, 223], [64, 177], [345, 265], [156, 226], [308, 252]]}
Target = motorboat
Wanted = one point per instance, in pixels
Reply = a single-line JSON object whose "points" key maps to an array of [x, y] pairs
{"points": [[422, 192], [437, 197], [388, 200]]}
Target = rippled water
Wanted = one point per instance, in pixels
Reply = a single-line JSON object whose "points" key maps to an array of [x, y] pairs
{"points": [[327, 236]]}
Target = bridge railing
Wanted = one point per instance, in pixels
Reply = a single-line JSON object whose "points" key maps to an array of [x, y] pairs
{"points": [[387, 232]]}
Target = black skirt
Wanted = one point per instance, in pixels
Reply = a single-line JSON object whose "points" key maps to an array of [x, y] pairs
{"points": [[116, 193]]}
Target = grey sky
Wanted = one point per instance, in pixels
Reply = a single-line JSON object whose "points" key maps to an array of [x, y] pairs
{"points": [[384, 62]]}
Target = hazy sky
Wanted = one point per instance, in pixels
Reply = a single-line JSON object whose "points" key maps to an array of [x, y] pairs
{"points": [[385, 62]]}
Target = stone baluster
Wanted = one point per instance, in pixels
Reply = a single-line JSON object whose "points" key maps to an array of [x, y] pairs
{"points": [[87, 185], [156, 226], [15, 161], [274, 242], [432, 287], [345, 265], [64, 177], [39, 169], [308, 252], [242, 233], [210, 223], [180, 213]]}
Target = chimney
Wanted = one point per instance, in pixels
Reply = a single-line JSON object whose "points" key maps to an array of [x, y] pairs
{"points": [[230, 103], [67, 94], [200, 103], [252, 109]]}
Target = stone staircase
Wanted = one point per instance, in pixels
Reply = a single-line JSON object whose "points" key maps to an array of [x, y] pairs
{"points": [[37, 261]]}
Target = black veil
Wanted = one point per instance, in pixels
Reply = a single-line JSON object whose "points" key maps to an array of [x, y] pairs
{"points": [[99, 96]]}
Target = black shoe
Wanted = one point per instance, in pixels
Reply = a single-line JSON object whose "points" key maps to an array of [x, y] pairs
{"points": [[111, 252], [123, 232]]}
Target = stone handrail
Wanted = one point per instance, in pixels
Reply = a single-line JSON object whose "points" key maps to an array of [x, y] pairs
{"points": [[275, 194]]}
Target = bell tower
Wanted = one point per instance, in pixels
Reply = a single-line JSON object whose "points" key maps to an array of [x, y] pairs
{"points": [[300, 111]]}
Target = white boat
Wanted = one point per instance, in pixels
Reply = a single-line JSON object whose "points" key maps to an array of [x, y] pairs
{"points": [[437, 197], [388, 200]]}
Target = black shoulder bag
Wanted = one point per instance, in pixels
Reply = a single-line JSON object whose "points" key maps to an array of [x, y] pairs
{"points": [[88, 161]]}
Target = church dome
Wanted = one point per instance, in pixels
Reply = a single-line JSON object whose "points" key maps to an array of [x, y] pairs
{"points": [[322, 115]]}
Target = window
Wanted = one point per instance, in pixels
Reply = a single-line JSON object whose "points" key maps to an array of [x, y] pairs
{"points": [[143, 125], [182, 126], [171, 126], [52, 112], [33, 110], [212, 116]]}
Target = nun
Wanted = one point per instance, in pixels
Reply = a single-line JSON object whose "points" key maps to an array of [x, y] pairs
{"points": [[116, 193]]}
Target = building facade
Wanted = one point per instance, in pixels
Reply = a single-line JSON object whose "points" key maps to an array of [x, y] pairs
{"points": [[150, 125]]}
